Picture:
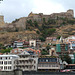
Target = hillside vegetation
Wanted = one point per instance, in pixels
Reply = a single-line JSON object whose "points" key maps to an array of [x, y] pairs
{"points": [[36, 30], [52, 27]]}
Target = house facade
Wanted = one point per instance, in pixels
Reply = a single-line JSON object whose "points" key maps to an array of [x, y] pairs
{"points": [[48, 63], [27, 61], [8, 62]]}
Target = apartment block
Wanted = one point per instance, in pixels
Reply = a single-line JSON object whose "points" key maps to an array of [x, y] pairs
{"points": [[48, 63], [8, 62], [27, 61]]}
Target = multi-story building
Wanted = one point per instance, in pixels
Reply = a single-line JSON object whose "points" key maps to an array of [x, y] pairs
{"points": [[8, 62], [35, 43], [20, 43], [32, 43], [16, 51], [51, 40], [61, 47], [48, 63], [70, 67], [30, 50], [71, 43], [28, 61], [66, 46]]}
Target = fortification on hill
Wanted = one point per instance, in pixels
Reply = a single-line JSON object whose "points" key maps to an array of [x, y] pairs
{"points": [[39, 17], [20, 24]]}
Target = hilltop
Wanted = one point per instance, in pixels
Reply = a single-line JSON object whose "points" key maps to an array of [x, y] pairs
{"points": [[38, 26]]}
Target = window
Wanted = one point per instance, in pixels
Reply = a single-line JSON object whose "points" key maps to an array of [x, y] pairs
{"points": [[5, 67], [15, 51], [46, 60], [9, 62], [9, 57], [5, 62], [34, 62], [0, 57], [1, 62], [1, 67], [9, 67], [34, 67], [6, 57]]}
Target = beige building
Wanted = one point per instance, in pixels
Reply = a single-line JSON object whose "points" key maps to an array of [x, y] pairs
{"points": [[48, 63], [27, 61]]}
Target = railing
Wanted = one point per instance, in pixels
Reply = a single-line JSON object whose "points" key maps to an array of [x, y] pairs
{"points": [[26, 64]]}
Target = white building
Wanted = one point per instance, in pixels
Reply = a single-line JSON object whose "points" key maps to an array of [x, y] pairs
{"points": [[32, 43], [27, 61], [8, 62], [18, 44]]}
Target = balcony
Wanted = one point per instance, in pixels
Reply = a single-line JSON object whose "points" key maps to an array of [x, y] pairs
{"points": [[48, 67], [24, 58], [26, 64]]}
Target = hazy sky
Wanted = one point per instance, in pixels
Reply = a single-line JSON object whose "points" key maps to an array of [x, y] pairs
{"points": [[12, 9]]}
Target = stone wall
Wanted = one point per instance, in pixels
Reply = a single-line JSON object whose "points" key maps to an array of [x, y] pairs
{"points": [[17, 72], [47, 73], [34, 73], [6, 73]]}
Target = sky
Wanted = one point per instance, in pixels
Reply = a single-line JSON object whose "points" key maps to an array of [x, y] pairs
{"points": [[14, 9]]}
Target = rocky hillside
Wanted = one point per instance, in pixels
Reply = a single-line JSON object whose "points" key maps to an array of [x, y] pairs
{"points": [[9, 37], [27, 29], [66, 30]]}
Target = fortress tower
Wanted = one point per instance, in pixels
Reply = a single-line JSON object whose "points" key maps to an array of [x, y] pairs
{"points": [[2, 23], [71, 12]]}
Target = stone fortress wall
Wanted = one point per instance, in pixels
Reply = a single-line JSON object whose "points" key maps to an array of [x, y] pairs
{"points": [[21, 23], [39, 17]]}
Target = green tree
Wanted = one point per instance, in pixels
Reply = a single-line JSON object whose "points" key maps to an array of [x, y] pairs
{"points": [[51, 21], [16, 20], [38, 32], [58, 37], [36, 24], [47, 47], [44, 21], [1, 46], [44, 52], [29, 22], [5, 50], [42, 39], [71, 22], [66, 58]]}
